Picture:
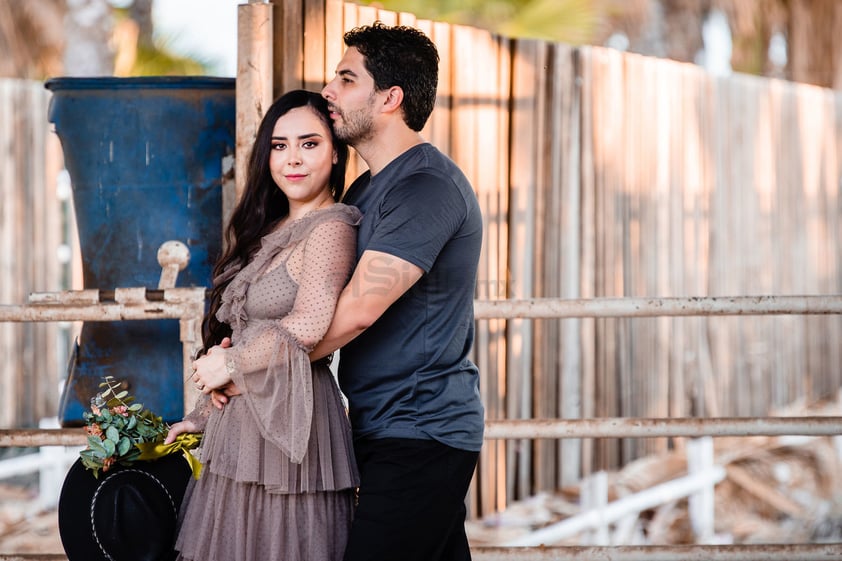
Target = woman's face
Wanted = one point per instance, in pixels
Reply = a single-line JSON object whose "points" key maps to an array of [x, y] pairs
{"points": [[301, 157]]}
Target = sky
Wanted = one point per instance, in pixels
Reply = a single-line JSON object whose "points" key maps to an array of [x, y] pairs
{"points": [[207, 28]]}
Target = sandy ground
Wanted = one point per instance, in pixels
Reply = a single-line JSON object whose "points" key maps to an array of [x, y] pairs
{"points": [[24, 526]]}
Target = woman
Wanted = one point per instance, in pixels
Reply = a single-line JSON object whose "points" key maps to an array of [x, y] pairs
{"points": [[278, 475]]}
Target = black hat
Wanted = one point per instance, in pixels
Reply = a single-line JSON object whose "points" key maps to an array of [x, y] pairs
{"points": [[128, 514]]}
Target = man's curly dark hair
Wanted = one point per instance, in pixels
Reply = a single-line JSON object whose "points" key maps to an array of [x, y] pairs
{"points": [[400, 56]]}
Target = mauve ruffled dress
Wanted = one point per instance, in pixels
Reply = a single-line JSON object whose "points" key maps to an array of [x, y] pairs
{"points": [[279, 476]]}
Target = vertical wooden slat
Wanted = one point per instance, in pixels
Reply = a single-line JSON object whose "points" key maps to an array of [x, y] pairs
{"points": [[438, 129], [254, 91], [526, 124], [565, 170], [587, 76], [29, 230], [288, 46], [8, 225], [314, 37]]}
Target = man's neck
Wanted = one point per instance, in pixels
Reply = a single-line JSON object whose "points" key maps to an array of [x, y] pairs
{"points": [[386, 146]]}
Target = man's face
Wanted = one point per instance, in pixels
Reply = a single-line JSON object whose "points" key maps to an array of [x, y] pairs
{"points": [[352, 99]]}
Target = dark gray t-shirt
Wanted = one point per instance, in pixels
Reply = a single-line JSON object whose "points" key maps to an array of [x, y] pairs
{"points": [[409, 375]]}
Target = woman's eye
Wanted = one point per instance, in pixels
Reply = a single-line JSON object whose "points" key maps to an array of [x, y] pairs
{"points": [[278, 146], [310, 144]]}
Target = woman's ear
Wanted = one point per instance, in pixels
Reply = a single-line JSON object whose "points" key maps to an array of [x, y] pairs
{"points": [[335, 158]]}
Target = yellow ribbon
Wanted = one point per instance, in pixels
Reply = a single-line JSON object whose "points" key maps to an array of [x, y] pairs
{"points": [[184, 442]]}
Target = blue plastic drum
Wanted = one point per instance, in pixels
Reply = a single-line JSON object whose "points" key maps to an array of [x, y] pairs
{"points": [[145, 157]]}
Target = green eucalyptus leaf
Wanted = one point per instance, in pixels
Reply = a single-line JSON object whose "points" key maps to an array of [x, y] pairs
{"points": [[112, 434], [124, 446], [95, 443], [135, 407], [110, 447], [122, 394]]}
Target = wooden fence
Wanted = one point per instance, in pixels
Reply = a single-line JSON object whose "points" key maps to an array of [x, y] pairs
{"points": [[602, 173], [30, 233]]}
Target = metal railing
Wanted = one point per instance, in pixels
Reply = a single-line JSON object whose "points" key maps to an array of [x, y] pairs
{"points": [[187, 305], [628, 427], [166, 302]]}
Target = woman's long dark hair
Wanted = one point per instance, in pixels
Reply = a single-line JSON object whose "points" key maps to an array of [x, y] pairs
{"points": [[263, 203]]}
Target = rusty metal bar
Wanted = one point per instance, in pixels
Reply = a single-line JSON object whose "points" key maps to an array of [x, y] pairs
{"points": [[32, 438], [128, 304], [33, 557], [635, 427], [560, 308], [819, 552], [611, 427], [770, 552], [137, 303]]}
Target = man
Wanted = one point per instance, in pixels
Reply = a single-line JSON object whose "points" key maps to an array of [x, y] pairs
{"points": [[405, 321]]}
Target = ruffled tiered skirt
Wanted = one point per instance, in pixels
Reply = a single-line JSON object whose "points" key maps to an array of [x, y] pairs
{"points": [[253, 504]]}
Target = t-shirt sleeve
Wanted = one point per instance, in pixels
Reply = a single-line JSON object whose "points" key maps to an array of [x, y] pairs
{"points": [[417, 217]]}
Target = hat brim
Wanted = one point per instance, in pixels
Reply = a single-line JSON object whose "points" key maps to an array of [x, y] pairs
{"points": [[75, 519]]}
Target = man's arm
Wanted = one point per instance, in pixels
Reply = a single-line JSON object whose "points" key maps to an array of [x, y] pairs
{"points": [[378, 281]]}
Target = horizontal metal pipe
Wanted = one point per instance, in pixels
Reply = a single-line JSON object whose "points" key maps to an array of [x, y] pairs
{"points": [[33, 557], [79, 307], [611, 427], [770, 552], [32, 438], [820, 552], [654, 307], [632, 427], [99, 312]]}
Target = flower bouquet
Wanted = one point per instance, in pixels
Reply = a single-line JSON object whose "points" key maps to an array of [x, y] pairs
{"points": [[123, 432]]}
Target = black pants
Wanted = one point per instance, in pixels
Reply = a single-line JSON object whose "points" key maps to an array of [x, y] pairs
{"points": [[412, 501]]}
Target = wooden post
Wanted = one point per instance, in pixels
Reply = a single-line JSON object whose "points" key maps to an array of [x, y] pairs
{"points": [[254, 87]]}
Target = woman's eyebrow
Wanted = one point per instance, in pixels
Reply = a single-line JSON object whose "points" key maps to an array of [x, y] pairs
{"points": [[301, 136]]}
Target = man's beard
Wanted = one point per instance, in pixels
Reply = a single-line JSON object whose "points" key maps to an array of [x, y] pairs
{"points": [[357, 126]]}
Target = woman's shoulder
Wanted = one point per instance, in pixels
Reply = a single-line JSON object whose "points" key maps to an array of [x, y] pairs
{"points": [[346, 211], [336, 213]]}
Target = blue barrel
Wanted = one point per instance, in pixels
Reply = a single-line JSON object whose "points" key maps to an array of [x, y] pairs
{"points": [[145, 158]]}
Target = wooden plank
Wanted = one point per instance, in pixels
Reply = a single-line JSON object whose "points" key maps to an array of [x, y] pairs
{"points": [[8, 239], [500, 95], [315, 47], [288, 46], [524, 184], [587, 73], [254, 91], [565, 174]]}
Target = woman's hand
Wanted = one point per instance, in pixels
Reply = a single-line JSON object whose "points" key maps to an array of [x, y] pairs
{"points": [[180, 428], [209, 371]]}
